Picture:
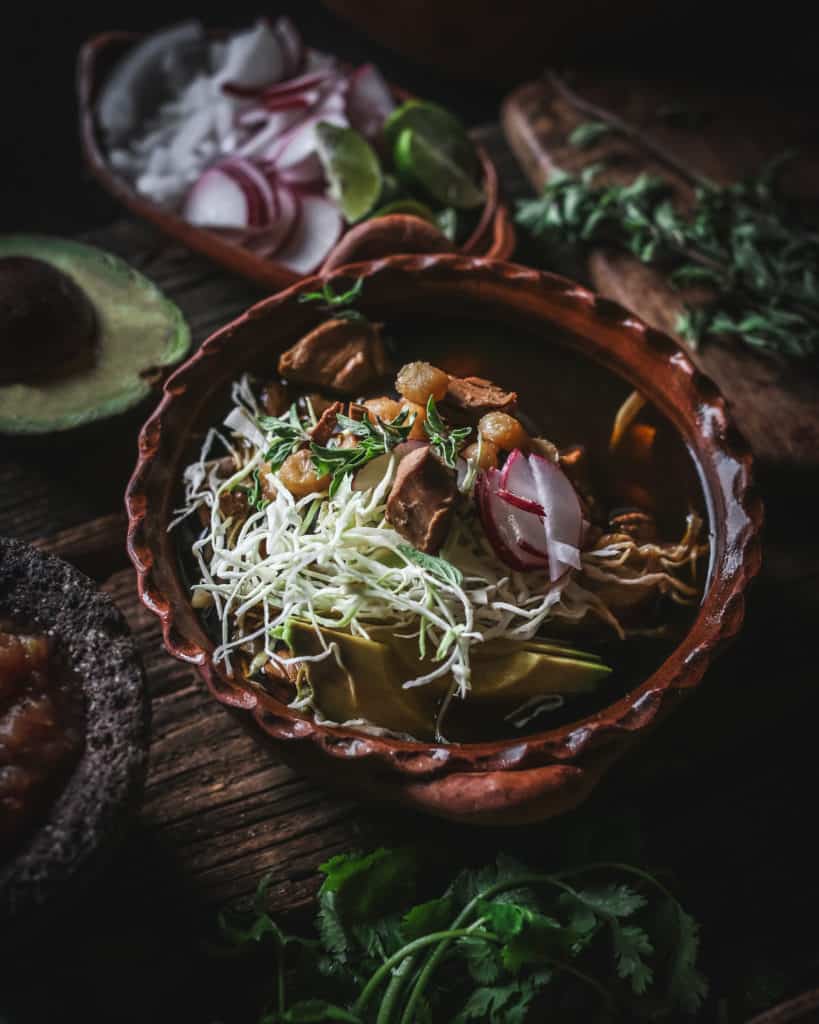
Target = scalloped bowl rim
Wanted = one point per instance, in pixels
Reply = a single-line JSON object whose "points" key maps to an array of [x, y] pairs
{"points": [[736, 552]]}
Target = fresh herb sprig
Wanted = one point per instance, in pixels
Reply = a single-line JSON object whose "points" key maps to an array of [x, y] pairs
{"points": [[438, 566], [288, 434], [737, 241], [374, 439], [501, 944], [444, 440], [338, 304], [743, 242]]}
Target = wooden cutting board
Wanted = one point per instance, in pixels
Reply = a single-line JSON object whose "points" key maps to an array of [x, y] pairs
{"points": [[724, 136]]}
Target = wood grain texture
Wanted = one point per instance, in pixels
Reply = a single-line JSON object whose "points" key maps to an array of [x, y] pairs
{"points": [[774, 404]]}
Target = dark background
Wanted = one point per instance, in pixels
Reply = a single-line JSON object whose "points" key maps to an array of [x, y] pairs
{"points": [[739, 825], [43, 185]]}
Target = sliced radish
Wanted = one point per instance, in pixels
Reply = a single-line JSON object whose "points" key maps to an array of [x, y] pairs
{"points": [[217, 200], [291, 43], [497, 519], [369, 101], [563, 515], [253, 59], [517, 485], [315, 234]]}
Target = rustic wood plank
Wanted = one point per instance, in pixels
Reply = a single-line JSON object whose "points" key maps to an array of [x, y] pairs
{"points": [[775, 405], [96, 547]]}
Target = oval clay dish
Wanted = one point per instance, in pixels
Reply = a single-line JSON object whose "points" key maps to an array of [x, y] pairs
{"points": [[494, 235], [519, 780], [43, 594]]}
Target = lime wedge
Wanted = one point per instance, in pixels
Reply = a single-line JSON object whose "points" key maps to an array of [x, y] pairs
{"points": [[435, 170], [352, 169], [441, 129], [407, 206]]}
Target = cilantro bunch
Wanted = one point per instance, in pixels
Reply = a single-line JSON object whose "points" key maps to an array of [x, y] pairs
{"points": [[504, 944], [745, 242]]}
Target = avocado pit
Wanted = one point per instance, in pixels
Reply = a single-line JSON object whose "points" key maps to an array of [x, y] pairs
{"points": [[48, 325]]}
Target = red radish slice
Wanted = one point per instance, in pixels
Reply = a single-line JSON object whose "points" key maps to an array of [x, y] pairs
{"points": [[369, 101], [291, 43], [253, 59], [217, 200], [564, 517], [497, 519], [318, 230], [517, 486]]}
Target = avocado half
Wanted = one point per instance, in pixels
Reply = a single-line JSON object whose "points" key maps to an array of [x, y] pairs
{"points": [[137, 332], [42, 593]]}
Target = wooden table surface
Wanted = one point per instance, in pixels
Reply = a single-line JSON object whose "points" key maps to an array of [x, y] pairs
{"points": [[724, 791]]}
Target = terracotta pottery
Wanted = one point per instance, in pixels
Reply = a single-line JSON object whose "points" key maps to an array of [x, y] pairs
{"points": [[534, 776], [493, 236]]}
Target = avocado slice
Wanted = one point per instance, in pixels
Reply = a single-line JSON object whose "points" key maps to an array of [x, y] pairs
{"points": [[137, 331], [504, 676]]}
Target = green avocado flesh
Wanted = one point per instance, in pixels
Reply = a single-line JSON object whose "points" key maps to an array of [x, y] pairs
{"points": [[140, 331], [504, 676]]}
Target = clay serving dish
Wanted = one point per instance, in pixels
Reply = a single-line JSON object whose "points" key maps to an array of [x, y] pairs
{"points": [[534, 776], [493, 236], [43, 594]]}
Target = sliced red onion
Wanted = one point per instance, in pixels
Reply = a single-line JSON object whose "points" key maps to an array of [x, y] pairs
{"points": [[315, 234], [306, 172], [300, 141], [517, 485], [248, 175], [291, 43], [369, 101], [288, 212], [304, 83], [253, 59], [275, 125]]}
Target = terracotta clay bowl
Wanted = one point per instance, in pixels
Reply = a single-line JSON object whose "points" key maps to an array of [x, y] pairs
{"points": [[534, 776], [493, 236]]}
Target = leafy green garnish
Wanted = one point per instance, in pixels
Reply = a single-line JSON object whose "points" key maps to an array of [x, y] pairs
{"points": [[742, 241], [433, 563], [338, 304], [589, 132], [288, 435], [375, 439], [498, 942], [444, 440]]}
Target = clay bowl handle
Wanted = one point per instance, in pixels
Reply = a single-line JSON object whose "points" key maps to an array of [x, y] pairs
{"points": [[504, 797], [387, 236]]}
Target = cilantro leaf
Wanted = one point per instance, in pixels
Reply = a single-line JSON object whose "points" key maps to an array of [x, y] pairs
{"points": [[287, 435], [445, 441]]}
